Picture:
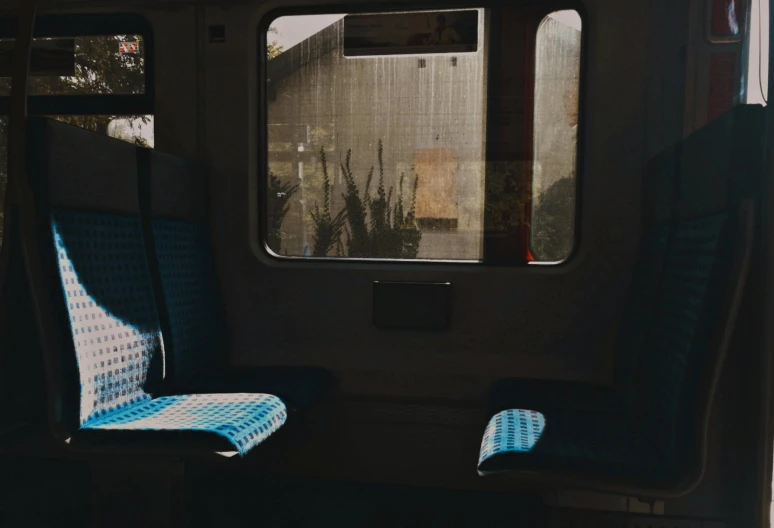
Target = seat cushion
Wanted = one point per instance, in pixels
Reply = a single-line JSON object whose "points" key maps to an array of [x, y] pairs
{"points": [[242, 420], [299, 387], [574, 442]]}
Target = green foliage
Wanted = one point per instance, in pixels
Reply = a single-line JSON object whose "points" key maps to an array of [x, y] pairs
{"points": [[327, 229], [273, 48], [279, 196], [358, 239], [554, 221], [505, 202], [376, 228]]}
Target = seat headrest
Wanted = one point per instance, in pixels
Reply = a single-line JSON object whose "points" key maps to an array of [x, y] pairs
{"points": [[78, 169]]}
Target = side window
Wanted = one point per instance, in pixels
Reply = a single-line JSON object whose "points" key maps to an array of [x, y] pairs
{"points": [[97, 80], [758, 54], [376, 136], [555, 136], [404, 136]]}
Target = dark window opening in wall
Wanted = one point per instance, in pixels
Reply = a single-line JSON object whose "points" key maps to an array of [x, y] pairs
{"points": [[371, 157], [89, 71]]}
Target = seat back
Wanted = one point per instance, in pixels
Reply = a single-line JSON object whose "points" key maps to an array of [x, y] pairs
{"points": [[102, 298], [179, 237], [659, 188], [703, 275]]}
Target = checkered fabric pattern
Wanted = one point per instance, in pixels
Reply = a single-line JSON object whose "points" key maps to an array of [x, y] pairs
{"points": [[245, 420], [118, 345], [188, 283], [515, 430], [110, 303]]}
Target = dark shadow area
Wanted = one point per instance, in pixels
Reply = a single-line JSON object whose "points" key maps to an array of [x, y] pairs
{"points": [[43, 492], [299, 502]]}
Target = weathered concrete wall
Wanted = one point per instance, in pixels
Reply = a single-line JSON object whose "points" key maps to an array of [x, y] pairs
{"points": [[431, 117], [557, 72], [555, 125]]}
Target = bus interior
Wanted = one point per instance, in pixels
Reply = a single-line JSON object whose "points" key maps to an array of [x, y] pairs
{"points": [[362, 263]]}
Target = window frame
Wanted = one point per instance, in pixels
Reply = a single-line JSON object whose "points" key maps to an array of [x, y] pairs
{"points": [[262, 136]]}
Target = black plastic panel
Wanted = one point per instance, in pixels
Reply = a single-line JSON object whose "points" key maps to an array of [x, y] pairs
{"points": [[413, 305]]}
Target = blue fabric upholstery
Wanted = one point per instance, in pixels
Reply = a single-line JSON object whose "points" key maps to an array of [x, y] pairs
{"points": [[649, 427], [188, 282], [643, 437], [513, 431], [580, 441], [113, 320], [104, 274], [245, 420], [690, 297]]}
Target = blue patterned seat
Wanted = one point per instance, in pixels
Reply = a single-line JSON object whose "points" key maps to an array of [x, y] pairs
{"points": [[116, 335], [646, 432], [107, 363]]}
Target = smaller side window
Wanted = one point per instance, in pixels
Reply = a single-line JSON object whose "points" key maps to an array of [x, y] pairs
{"points": [[758, 54], [555, 136]]}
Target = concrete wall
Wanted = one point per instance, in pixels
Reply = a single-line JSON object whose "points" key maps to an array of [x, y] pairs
{"points": [[430, 117], [557, 81]]}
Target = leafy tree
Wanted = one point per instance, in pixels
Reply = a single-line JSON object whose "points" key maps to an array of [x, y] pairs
{"points": [[505, 201], [273, 48], [99, 69], [327, 229], [554, 221], [278, 206]]}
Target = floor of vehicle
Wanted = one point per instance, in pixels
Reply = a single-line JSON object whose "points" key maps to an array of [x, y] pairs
{"points": [[312, 502], [55, 493]]}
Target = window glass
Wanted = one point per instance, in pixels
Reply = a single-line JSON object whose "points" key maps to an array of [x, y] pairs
{"points": [[110, 64], [397, 136], [555, 136], [376, 156], [758, 55]]}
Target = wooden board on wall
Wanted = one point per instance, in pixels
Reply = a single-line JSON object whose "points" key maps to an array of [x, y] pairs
{"points": [[437, 187]]}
